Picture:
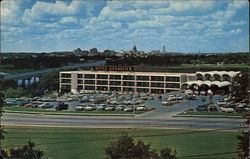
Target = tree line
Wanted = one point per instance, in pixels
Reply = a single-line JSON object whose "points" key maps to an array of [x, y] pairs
{"points": [[154, 60]]}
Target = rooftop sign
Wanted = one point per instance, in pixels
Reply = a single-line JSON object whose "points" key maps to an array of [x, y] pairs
{"points": [[113, 68]]}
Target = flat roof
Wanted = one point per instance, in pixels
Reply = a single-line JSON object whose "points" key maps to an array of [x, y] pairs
{"points": [[127, 73]]}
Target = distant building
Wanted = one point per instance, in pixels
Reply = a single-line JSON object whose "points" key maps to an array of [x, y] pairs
{"points": [[93, 51]]}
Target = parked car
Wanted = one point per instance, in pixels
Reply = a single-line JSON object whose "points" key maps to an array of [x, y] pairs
{"points": [[222, 103], [11, 102], [45, 105], [90, 108], [227, 110], [29, 105], [128, 109], [171, 98], [110, 108], [119, 108], [79, 108], [212, 108], [22, 103], [191, 97], [62, 106], [101, 107], [201, 108], [140, 108]]}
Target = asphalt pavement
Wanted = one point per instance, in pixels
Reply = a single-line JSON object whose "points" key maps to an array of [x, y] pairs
{"points": [[161, 117]]}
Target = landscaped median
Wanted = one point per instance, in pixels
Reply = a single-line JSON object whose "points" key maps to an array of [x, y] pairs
{"points": [[27, 110], [211, 115]]}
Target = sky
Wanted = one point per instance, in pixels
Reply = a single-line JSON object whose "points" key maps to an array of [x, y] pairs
{"points": [[182, 26]]}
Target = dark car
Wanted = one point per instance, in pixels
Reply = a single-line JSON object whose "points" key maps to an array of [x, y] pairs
{"points": [[201, 108], [62, 106]]}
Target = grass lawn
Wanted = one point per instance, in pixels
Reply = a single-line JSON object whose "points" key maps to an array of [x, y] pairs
{"points": [[191, 68], [215, 114], [54, 112], [84, 143]]}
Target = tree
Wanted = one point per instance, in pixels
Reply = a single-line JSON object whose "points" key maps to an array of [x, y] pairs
{"points": [[126, 148], [49, 82], [240, 87], [15, 93], [26, 151], [243, 146]]}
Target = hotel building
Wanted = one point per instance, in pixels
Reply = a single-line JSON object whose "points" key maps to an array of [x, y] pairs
{"points": [[121, 81]]}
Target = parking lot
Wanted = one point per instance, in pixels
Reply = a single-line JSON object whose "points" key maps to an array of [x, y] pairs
{"points": [[164, 106]]}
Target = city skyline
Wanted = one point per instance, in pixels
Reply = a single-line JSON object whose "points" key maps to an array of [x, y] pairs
{"points": [[47, 26]]}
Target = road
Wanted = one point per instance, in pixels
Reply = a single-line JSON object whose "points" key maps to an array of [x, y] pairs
{"points": [[36, 73], [118, 122]]}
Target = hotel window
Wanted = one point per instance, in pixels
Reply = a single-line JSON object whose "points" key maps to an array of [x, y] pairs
{"points": [[157, 91], [157, 78], [102, 82], [66, 86], [115, 83], [128, 83], [102, 76], [127, 89], [79, 75], [80, 87], [115, 77], [128, 77], [89, 81], [65, 80], [115, 88], [142, 84], [173, 79], [157, 85], [142, 78], [89, 76], [80, 81], [172, 85], [102, 88], [66, 75], [142, 90], [89, 87]]}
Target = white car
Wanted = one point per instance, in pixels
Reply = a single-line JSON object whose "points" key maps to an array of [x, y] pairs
{"points": [[45, 105], [140, 108], [79, 108], [227, 110], [128, 109]]}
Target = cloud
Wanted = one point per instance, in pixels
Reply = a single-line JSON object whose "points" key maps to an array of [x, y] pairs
{"points": [[235, 31], [68, 20]]}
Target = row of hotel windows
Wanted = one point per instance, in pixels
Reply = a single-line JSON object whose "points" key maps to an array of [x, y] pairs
{"points": [[124, 83], [128, 89], [124, 77]]}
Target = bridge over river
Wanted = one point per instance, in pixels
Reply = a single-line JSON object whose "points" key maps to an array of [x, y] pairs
{"points": [[27, 78]]}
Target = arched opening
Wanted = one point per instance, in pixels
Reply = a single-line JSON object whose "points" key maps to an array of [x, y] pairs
{"points": [[214, 88], [217, 77], [199, 77], [208, 77], [226, 77], [185, 86], [204, 87]]}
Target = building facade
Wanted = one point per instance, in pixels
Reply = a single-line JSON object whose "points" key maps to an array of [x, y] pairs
{"points": [[121, 81]]}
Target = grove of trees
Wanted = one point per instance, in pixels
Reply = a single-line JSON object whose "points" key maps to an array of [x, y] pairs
{"points": [[125, 147]]}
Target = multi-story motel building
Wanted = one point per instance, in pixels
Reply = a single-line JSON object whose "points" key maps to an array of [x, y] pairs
{"points": [[121, 81]]}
